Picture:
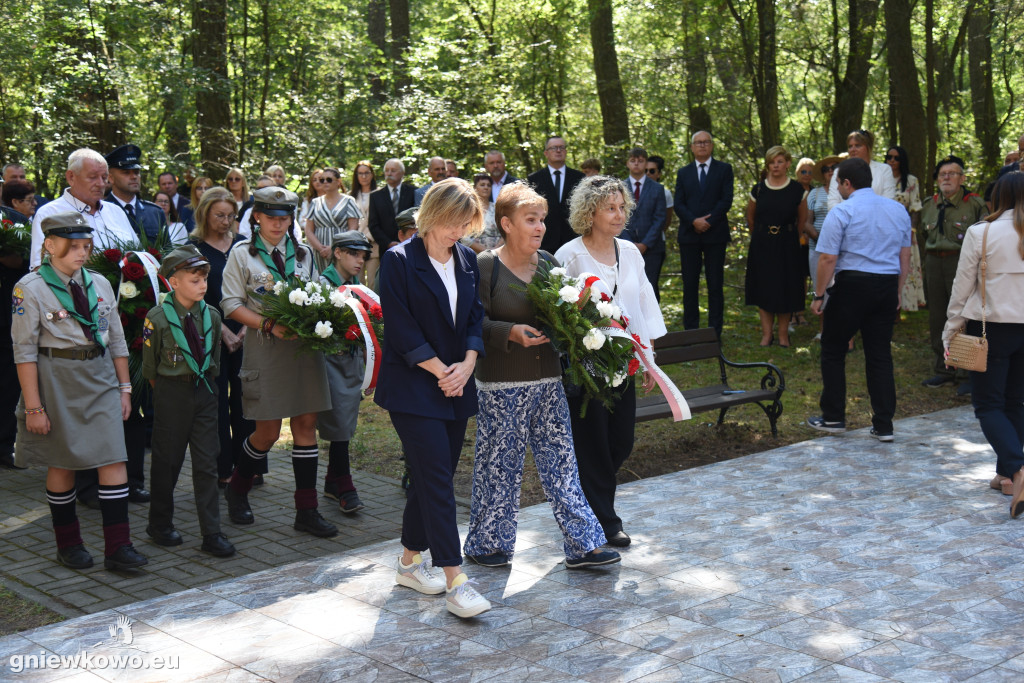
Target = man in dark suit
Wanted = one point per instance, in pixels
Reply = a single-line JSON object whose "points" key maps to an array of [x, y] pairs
{"points": [[125, 182], [555, 183], [494, 162], [702, 202], [168, 183], [387, 202], [648, 217]]}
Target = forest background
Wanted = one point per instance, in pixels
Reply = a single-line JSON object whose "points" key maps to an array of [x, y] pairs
{"points": [[214, 84]]}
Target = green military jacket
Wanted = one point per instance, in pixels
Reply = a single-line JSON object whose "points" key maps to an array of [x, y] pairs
{"points": [[962, 212], [161, 355]]}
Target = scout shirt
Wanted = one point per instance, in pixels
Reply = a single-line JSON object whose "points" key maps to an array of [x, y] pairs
{"points": [[246, 274], [161, 355], [39, 320], [962, 211]]}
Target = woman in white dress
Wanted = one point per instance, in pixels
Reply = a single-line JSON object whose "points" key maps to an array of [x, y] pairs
{"points": [[330, 213], [364, 181]]}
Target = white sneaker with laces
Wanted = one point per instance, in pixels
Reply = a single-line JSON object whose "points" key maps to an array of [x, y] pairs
{"points": [[419, 576], [463, 600]]}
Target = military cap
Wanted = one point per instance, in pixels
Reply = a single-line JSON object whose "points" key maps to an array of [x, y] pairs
{"points": [[951, 159], [351, 239], [125, 158], [406, 220], [185, 256], [275, 201], [69, 224]]}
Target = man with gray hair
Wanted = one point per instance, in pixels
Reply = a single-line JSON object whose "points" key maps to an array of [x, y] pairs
{"points": [[389, 201], [494, 162], [438, 171], [87, 182]]}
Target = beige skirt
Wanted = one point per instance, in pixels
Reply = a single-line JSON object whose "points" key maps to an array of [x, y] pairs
{"points": [[280, 379]]}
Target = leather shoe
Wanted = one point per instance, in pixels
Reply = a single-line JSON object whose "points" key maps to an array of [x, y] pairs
{"points": [[138, 494], [217, 545], [167, 536], [620, 539], [126, 557], [74, 557], [238, 506], [7, 462], [312, 522]]}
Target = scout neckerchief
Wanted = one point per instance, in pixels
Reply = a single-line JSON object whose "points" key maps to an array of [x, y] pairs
{"points": [[89, 325], [171, 313], [331, 275], [289, 261]]}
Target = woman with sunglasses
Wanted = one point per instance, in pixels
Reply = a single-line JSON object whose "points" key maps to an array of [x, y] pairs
{"points": [[312, 192], [330, 213], [908, 195], [237, 186]]}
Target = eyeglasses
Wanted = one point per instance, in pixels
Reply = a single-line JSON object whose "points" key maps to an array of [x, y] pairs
{"points": [[234, 180], [892, 157], [652, 171], [827, 169], [221, 216], [326, 180], [555, 148], [804, 171], [950, 174]]}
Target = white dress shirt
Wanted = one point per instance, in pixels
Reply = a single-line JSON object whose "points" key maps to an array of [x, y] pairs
{"points": [[109, 224], [561, 179]]}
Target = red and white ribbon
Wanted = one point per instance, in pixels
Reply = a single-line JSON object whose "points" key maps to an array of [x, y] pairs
{"points": [[152, 267], [362, 299]]}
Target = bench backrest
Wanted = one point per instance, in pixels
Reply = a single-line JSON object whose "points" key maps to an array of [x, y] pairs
{"points": [[679, 347]]}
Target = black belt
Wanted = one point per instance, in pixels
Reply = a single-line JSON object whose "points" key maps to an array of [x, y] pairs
{"points": [[184, 379], [943, 253], [861, 273], [83, 353]]}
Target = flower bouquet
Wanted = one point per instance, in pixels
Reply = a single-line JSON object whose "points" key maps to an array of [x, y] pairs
{"points": [[15, 238], [577, 324]]}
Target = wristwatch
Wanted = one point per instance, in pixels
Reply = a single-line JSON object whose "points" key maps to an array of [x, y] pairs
{"points": [[819, 298]]}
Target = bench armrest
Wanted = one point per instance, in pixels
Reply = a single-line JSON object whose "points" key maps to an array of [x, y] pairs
{"points": [[772, 379]]}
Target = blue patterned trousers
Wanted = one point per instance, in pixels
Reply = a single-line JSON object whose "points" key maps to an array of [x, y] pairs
{"points": [[508, 420]]}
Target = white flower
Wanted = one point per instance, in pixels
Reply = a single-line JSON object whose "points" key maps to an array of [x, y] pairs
{"points": [[324, 329], [129, 290], [338, 299], [609, 310], [558, 272], [316, 299], [618, 379], [298, 297], [310, 287], [569, 294], [278, 287], [593, 339]]}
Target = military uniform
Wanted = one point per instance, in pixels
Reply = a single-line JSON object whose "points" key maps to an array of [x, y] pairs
{"points": [[942, 254], [144, 217], [185, 406]]}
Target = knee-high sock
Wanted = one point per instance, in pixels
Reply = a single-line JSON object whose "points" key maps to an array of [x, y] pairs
{"points": [[338, 468], [65, 518], [304, 463], [249, 463], [114, 508]]}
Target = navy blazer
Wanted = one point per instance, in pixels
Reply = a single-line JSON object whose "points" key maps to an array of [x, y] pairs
{"points": [[716, 199], [557, 221], [418, 325], [648, 216], [381, 219], [148, 216]]}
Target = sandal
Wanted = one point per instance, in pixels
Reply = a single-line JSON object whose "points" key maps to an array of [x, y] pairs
{"points": [[1002, 484]]}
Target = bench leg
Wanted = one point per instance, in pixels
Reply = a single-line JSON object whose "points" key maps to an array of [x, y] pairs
{"points": [[721, 415], [773, 411]]}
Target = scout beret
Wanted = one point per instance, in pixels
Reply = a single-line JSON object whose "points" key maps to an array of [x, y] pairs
{"points": [[185, 256], [125, 158], [351, 239], [69, 224], [406, 220], [951, 159], [275, 201]]}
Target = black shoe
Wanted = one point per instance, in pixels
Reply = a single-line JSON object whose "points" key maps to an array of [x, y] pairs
{"points": [[74, 557], [964, 390], [620, 539], [312, 522], [217, 545], [331, 490], [498, 559], [7, 462], [223, 483], [882, 436], [818, 422], [167, 536], [257, 480], [937, 381], [595, 558], [138, 494], [126, 557], [238, 506], [350, 503]]}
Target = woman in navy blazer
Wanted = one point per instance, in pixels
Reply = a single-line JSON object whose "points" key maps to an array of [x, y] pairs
{"points": [[429, 292]]}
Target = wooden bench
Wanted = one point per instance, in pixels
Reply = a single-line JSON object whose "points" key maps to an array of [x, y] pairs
{"points": [[695, 345]]}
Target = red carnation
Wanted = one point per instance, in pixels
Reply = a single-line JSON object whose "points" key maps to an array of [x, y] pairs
{"points": [[634, 365], [8, 224], [376, 312], [605, 297], [353, 333], [636, 338], [113, 255]]}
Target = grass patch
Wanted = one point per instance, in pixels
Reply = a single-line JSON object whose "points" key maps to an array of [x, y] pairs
{"points": [[19, 614]]}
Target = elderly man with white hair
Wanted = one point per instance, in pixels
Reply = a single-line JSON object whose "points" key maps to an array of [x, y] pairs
{"points": [[87, 183], [387, 202]]}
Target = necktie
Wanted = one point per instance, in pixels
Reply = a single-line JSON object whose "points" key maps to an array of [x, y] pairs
{"points": [[703, 176], [279, 262], [636, 191], [130, 210], [558, 185], [942, 217], [394, 199], [195, 342], [81, 307]]}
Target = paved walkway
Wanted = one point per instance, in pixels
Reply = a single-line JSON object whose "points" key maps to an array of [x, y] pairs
{"points": [[838, 559]]}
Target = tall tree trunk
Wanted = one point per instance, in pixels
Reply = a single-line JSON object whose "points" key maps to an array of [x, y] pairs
{"points": [[851, 90], [265, 88], [983, 101], [400, 43], [213, 96], [615, 120], [696, 68], [97, 106], [377, 32], [768, 103], [906, 93]]}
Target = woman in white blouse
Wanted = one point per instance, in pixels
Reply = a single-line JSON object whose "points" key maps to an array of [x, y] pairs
{"points": [[859, 144], [599, 209]]}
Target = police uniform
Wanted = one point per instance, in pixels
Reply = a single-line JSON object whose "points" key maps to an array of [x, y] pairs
{"points": [[942, 254], [144, 217], [185, 408]]}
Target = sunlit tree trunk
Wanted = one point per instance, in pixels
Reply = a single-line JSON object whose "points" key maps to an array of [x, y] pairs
{"points": [[614, 119], [213, 94]]}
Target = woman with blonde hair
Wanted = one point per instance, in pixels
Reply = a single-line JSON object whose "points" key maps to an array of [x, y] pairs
{"points": [[312, 192], [859, 145], [238, 186], [199, 186]]}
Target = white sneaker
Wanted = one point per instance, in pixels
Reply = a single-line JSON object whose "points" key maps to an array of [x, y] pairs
{"points": [[463, 600], [419, 576]]}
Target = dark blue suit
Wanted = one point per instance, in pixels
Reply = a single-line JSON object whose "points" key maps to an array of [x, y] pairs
{"points": [[707, 248], [185, 213], [148, 216], [418, 326], [645, 225]]}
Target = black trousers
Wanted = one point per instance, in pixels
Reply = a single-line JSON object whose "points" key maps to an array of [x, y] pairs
{"points": [[10, 393], [603, 440], [653, 261], [711, 257], [867, 303], [233, 429]]}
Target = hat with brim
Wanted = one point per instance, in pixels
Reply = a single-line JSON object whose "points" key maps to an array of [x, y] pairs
{"points": [[69, 224], [351, 239], [125, 158], [827, 161], [187, 256], [275, 201]]}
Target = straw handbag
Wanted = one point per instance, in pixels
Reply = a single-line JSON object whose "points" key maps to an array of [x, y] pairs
{"points": [[966, 351]]}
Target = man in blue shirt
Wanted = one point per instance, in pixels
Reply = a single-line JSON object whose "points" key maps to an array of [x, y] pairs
{"points": [[865, 243]]}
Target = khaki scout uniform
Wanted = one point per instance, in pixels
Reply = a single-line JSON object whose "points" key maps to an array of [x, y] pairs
{"points": [[942, 254], [77, 385], [185, 413]]}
